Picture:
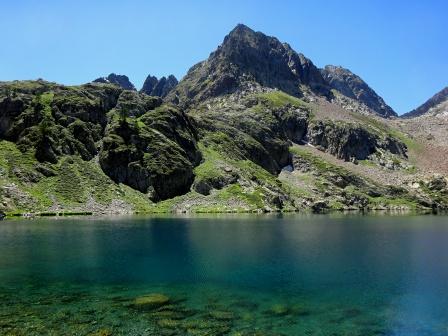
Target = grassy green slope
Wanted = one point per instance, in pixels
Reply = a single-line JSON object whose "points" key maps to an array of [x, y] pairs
{"points": [[71, 185]]}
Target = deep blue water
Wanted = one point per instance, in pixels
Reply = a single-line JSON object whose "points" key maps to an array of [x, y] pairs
{"points": [[275, 275]]}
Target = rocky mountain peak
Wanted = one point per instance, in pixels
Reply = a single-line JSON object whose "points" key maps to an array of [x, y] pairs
{"points": [[240, 30], [352, 86], [159, 87], [119, 80], [249, 56], [269, 61], [436, 104], [149, 84]]}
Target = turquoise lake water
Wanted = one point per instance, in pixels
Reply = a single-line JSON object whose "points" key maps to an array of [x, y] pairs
{"points": [[225, 275]]}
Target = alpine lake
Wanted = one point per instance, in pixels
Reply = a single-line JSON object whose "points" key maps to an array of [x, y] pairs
{"points": [[234, 275]]}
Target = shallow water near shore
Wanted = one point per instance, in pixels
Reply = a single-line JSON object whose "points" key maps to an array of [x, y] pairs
{"points": [[225, 275]]}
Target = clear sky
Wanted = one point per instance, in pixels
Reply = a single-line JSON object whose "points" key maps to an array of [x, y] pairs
{"points": [[400, 48]]}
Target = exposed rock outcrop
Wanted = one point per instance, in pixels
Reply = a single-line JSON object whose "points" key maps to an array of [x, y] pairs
{"points": [[120, 80], [155, 155], [352, 86], [159, 87], [350, 141]]}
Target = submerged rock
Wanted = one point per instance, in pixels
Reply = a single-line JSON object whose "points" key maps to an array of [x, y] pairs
{"points": [[170, 314], [151, 301], [168, 323], [206, 327], [278, 310], [222, 315]]}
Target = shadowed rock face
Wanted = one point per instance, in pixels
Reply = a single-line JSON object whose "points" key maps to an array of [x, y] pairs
{"points": [[352, 86], [120, 80], [436, 104], [249, 56], [159, 87], [348, 142], [149, 84], [156, 157]]}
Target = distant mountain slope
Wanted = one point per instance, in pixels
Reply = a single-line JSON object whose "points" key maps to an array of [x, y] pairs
{"points": [[247, 57], [120, 80], [256, 129], [437, 104], [352, 86], [159, 87]]}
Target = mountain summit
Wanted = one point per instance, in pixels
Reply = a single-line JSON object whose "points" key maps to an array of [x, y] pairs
{"points": [[119, 80], [246, 56], [352, 86]]}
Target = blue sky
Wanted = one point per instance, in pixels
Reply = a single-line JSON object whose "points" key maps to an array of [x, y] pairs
{"points": [[400, 48]]}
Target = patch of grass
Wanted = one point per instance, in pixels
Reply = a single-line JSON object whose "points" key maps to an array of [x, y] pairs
{"points": [[46, 98], [391, 202], [317, 162], [245, 167], [68, 183], [74, 182], [28, 86], [367, 162], [253, 199], [168, 205], [219, 209], [257, 173], [336, 205], [223, 146], [208, 169], [212, 158], [280, 99], [294, 190]]}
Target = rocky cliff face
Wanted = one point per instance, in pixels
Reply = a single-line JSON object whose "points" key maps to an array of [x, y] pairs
{"points": [[159, 87], [120, 80], [436, 105], [246, 56], [156, 155], [352, 86], [259, 127], [352, 142]]}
